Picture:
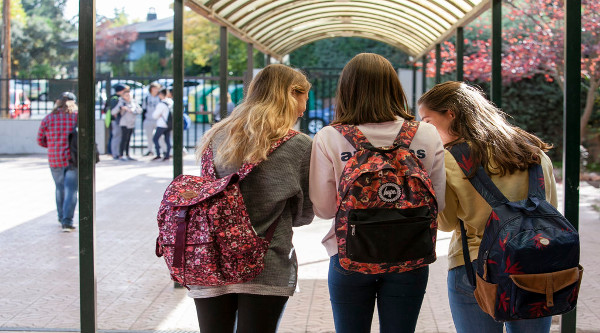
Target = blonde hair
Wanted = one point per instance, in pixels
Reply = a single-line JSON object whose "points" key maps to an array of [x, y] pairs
{"points": [[369, 91], [267, 113], [485, 128]]}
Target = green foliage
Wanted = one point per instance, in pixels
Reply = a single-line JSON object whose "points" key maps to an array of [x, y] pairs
{"points": [[536, 106], [120, 18], [336, 52], [16, 12], [37, 43], [148, 64], [201, 48], [47, 8], [593, 167], [236, 60]]}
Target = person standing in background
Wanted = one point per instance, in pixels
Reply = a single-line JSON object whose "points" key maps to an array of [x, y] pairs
{"points": [[161, 116], [53, 134], [149, 123], [114, 141], [128, 109]]}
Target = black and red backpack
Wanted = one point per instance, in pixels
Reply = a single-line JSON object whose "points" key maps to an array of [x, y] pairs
{"points": [[387, 210]]}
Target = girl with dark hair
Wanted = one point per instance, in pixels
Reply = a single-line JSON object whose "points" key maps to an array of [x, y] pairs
{"points": [[370, 97]]}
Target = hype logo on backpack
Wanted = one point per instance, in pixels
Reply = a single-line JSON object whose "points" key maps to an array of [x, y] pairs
{"points": [[205, 234], [386, 219], [528, 260]]}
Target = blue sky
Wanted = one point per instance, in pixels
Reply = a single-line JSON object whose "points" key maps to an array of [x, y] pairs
{"points": [[136, 9]]}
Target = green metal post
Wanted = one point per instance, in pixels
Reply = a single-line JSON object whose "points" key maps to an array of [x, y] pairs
{"points": [[572, 131], [414, 88], [178, 88], [424, 82], [223, 73], [438, 63], [496, 85], [86, 162], [460, 51]]}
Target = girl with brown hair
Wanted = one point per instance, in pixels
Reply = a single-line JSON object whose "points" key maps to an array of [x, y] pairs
{"points": [[275, 190], [461, 113], [371, 99]]}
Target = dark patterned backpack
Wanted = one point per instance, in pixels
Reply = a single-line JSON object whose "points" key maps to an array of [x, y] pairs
{"points": [[205, 234], [387, 211], [528, 260]]}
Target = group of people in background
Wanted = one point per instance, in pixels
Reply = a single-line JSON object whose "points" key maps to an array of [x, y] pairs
{"points": [[122, 111]]}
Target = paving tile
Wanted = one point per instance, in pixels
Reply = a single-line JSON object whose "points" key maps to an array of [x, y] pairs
{"points": [[40, 277]]}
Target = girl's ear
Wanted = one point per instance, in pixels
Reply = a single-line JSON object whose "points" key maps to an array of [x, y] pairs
{"points": [[451, 113]]}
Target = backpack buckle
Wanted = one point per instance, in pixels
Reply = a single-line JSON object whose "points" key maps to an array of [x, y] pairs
{"points": [[180, 217]]}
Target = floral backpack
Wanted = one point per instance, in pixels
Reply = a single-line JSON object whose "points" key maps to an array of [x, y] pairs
{"points": [[387, 211], [528, 260], [205, 234]]}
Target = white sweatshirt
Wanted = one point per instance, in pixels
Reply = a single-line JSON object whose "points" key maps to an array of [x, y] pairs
{"points": [[161, 112], [331, 151]]}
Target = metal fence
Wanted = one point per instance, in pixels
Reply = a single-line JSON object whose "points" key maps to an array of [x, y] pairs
{"points": [[35, 98], [201, 100]]}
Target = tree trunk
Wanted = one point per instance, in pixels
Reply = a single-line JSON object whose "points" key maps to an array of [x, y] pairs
{"points": [[6, 62], [589, 107]]}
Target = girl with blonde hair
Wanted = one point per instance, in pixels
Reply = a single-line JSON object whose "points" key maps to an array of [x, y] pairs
{"points": [[275, 191]]}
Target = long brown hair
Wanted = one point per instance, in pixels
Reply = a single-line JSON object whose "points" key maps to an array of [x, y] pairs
{"points": [[267, 113], [369, 91], [485, 128], [65, 105]]}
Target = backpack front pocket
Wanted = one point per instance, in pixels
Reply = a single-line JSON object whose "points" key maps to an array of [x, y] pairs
{"points": [[389, 235], [545, 294]]}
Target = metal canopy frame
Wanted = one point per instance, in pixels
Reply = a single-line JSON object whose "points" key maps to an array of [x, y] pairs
{"points": [[278, 27]]}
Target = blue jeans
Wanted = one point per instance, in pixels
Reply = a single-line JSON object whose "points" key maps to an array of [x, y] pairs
{"points": [[66, 182], [468, 316], [399, 297], [160, 131]]}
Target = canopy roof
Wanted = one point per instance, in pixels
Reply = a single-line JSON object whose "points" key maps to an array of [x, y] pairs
{"points": [[277, 27]]}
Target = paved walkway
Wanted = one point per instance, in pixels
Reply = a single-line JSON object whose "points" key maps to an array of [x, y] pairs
{"points": [[39, 285]]}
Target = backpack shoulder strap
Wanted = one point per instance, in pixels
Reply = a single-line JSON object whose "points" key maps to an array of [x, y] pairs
{"points": [[247, 167], [207, 163], [407, 133], [351, 132], [537, 186], [481, 182]]}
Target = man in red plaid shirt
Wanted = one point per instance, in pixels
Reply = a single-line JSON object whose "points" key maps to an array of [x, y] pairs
{"points": [[54, 135]]}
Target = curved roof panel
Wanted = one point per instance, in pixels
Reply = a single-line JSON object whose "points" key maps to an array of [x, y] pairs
{"points": [[277, 27]]}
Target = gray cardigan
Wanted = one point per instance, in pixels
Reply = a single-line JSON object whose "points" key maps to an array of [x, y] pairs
{"points": [[127, 117], [277, 187]]}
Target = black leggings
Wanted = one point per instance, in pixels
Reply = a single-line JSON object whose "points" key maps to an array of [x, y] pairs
{"points": [[125, 138], [254, 313]]}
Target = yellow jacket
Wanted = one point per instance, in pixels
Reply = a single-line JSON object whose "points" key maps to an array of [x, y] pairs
{"points": [[463, 202]]}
